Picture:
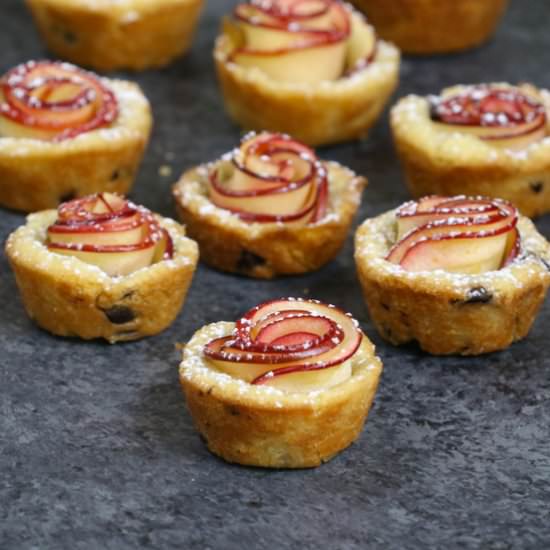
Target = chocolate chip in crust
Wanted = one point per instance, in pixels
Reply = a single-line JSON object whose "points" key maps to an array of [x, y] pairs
{"points": [[67, 196], [477, 295], [248, 261], [67, 35], [536, 186], [119, 315]]}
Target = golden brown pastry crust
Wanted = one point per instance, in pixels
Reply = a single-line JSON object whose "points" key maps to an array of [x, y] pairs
{"points": [[71, 298], [107, 35], [453, 163], [37, 175], [319, 114], [265, 250], [434, 26], [448, 313], [264, 426]]}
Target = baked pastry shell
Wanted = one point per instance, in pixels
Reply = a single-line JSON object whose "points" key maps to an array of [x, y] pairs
{"points": [[434, 26], [264, 426], [449, 313], [265, 250], [320, 114], [69, 297], [447, 163], [38, 175], [107, 35]]}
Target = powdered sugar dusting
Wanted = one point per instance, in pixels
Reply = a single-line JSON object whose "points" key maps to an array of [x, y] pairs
{"points": [[196, 370]]}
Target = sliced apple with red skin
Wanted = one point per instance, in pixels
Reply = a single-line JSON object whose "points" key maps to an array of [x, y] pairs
{"points": [[53, 101], [468, 254], [362, 45], [107, 231], [311, 65], [271, 178], [296, 345], [429, 209], [456, 228], [299, 41], [458, 235], [505, 117]]}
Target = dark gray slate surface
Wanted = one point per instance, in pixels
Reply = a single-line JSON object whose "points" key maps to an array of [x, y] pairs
{"points": [[98, 451]]}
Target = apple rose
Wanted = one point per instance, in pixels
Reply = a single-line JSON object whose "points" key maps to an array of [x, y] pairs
{"points": [[110, 232], [301, 41], [458, 234], [296, 345], [271, 178], [506, 117], [53, 101]]}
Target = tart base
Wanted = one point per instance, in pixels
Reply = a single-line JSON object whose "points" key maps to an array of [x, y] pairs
{"points": [[68, 297], [264, 426], [330, 112], [446, 163], [107, 36], [38, 175], [450, 313], [432, 26], [265, 250]]}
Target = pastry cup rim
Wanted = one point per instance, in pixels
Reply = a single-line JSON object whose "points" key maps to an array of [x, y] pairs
{"points": [[509, 279], [233, 391]]}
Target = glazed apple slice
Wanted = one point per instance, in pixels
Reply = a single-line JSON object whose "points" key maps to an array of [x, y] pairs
{"points": [[115, 261], [296, 345], [433, 208], [461, 235], [505, 117], [362, 45], [459, 254], [304, 41], [53, 101], [457, 227], [311, 65], [107, 231], [281, 203], [271, 178]]}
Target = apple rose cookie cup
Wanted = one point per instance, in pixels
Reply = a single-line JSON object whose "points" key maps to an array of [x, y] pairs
{"points": [[323, 78], [116, 272], [457, 275], [107, 35], [269, 208], [433, 26], [288, 386], [489, 140], [66, 133]]}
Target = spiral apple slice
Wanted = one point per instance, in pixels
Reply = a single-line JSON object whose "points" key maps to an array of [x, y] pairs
{"points": [[457, 254], [107, 231], [296, 345], [362, 45], [311, 65], [53, 101], [300, 41], [271, 178], [458, 235], [430, 209], [506, 117]]}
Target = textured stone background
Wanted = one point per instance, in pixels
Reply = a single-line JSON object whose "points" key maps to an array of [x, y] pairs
{"points": [[97, 449]]}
